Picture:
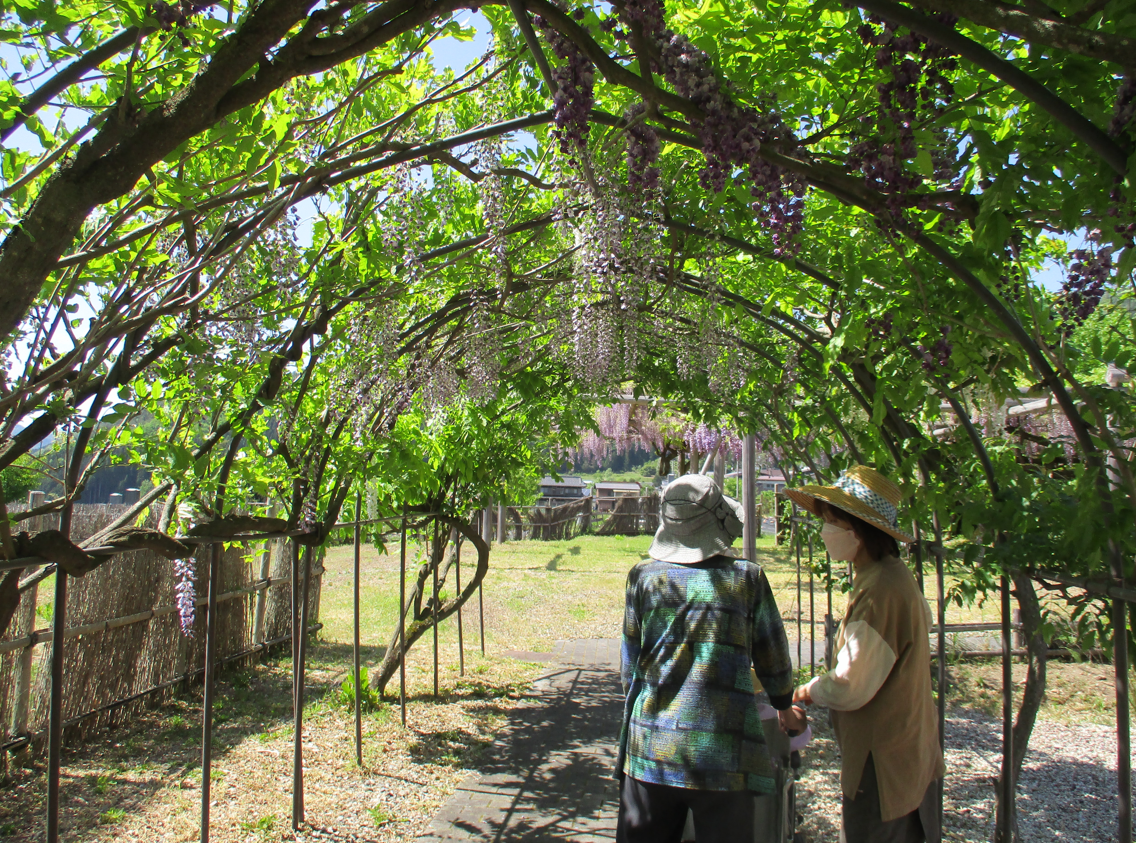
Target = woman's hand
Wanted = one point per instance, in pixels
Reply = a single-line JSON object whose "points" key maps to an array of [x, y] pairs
{"points": [[801, 695], [792, 719]]}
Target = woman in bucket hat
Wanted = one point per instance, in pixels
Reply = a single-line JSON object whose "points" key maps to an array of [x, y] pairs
{"points": [[696, 619], [879, 689]]}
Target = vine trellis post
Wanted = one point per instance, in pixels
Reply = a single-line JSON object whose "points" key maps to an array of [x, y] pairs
{"points": [[436, 563], [456, 536], [402, 619], [1009, 786], [812, 613], [358, 541], [749, 496], [215, 551]]}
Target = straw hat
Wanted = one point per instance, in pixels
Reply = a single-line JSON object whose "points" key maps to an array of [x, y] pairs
{"points": [[696, 521], [860, 491]]}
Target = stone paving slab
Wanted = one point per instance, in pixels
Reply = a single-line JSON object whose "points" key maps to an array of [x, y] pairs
{"points": [[549, 776]]}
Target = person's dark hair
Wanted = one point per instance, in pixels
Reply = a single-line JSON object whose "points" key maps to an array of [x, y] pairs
{"points": [[878, 543]]}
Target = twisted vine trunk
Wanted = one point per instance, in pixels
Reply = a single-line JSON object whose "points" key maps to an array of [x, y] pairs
{"points": [[419, 605], [1037, 649]]}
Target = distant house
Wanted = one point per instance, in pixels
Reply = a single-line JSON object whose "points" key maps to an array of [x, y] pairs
{"points": [[770, 481], [607, 491], [556, 492]]}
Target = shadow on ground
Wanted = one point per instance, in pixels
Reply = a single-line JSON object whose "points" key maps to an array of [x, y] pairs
{"points": [[549, 772]]}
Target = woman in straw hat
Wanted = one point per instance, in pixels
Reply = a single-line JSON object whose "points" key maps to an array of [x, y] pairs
{"points": [[879, 690], [696, 619]]}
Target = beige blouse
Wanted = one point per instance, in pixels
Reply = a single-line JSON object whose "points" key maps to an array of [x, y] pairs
{"points": [[879, 689]]}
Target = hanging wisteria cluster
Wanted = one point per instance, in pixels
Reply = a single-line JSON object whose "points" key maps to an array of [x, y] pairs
{"points": [[1085, 283], [400, 224], [887, 144], [702, 439], [623, 427], [185, 593], [492, 192], [575, 95], [482, 347], [731, 135], [363, 382], [938, 356], [270, 264], [615, 259], [1125, 108], [643, 149], [442, 385]]}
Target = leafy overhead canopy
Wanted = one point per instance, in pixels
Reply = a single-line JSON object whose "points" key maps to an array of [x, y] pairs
{"points": [[317, 257]]}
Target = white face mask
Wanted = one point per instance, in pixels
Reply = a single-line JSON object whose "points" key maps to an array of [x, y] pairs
{"points": [[841, 544]]}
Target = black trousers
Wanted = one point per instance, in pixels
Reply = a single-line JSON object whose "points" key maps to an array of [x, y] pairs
{"points": [[656, 813], [863, 822]]}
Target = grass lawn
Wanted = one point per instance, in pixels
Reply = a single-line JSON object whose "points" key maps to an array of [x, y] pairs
{"points": [[536, 593]]}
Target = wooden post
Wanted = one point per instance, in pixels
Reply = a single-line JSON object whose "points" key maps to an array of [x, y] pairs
{"points": [[751, 527], [262, 595], [22, 692], [720, 470], [500, 522]]}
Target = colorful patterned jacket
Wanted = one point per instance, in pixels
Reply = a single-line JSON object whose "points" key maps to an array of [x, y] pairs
{"points": [[690, 635]]}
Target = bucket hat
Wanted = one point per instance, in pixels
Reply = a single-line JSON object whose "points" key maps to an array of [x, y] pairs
{"points": [[696, 521], [861, 491]]}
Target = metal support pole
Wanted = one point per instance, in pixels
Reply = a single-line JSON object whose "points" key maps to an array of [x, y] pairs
{"points": [[216, 550], [917, 552], [750, 528], [402, 620], [793, 523], [295, 614], [812, 613], [55, 706], [480, 595], [1123, 724], [500, 522], [458, 586], [355, 607], [481, 615], [829, 621], [298, 728], [436, 560], [1008, 788], [941, 609]]}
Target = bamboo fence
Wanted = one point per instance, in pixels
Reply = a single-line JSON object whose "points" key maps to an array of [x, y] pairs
{"points": [[123, 631]]}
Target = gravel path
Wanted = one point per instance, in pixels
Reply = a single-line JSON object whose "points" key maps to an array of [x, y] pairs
{"points": [[1066, 792]]}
